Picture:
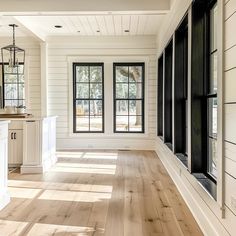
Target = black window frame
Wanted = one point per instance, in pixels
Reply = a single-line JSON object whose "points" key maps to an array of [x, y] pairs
{"points": [[160, 94], [88, 64], [200, 77], [18, 83], [208, 95], [168, 95], [181, 91], [129, 64]]}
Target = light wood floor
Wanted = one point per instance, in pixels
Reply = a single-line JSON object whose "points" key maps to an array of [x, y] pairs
{"points": [[98, 193]]}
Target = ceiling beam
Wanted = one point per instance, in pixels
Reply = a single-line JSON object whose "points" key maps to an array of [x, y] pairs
{"points": [[44, 6], [32, 30]]}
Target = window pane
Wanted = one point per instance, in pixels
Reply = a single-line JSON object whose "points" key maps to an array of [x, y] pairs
{"points": [[21, 91], [212, 117], [96, 108], [122, 123], [135, 123], [121, 90], [95, 74], [9, 78], [82, 123], [96, 123], [213, 73], [122, 107], [213, 26], [11, 102], [95, 90], [135, 90], [82, 90], [82, 108], [82, 74], [135, 108], [212, 153], [122, 74], [135, 74], [10, 91]]}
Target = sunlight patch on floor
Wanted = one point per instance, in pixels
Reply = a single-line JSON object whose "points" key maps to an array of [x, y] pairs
{"points": [[85, 170], [57, 195], [88, 155], [59, 186], [28, 193]]}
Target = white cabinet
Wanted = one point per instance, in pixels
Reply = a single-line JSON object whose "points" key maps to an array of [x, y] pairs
{"points": [[39, 145], [15, 147], [4, 196]]}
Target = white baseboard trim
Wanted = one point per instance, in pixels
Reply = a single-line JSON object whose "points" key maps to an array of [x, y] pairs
{"points": [[31, 169], [207, 220], [4, 199]]}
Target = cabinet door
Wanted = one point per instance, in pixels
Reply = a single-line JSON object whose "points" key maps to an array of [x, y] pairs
{"points": [[15, 147], [11, 151], [18, 147]]}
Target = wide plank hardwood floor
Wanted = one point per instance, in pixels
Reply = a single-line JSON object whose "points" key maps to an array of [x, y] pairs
{"points": [[112, 193]]}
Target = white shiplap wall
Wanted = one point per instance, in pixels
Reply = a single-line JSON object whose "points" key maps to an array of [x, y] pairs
{"points": [[32, 72], [61, 50], [230, 105], [205, 209]]}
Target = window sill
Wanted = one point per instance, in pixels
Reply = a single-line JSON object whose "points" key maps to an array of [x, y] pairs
{"points": [[183, 159], [113, 135], [207, 184]]}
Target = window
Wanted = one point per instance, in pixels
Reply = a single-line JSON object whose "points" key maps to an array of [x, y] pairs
{"points": [[181, 91], [204, 94], [88, 98], [168, 95], [13, 85], [129, 97], [160, 97], [211, 93]]}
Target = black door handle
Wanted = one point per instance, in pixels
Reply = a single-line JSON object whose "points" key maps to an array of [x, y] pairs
{"points": [[14, 135], [11, 135]]}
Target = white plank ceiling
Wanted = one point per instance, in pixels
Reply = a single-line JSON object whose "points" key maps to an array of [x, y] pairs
{"points": [[89, 25]]}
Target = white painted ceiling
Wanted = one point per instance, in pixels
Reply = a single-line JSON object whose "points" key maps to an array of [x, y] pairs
{"points": [[90, 25], [6, 30]]}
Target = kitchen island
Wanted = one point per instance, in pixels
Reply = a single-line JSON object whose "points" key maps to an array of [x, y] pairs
{"points": [[32, 143], [4, 196]]}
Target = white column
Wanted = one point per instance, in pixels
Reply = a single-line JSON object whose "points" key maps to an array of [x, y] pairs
{"points": [[44, 78]]}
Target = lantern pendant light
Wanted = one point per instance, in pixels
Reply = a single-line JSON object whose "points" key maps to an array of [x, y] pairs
{"points": [[11, 54]]}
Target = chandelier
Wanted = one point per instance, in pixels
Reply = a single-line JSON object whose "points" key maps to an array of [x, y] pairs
{"points": [[11, 54]]}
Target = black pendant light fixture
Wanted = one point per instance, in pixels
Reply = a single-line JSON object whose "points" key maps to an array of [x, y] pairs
{"points": [[11, 54]]}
